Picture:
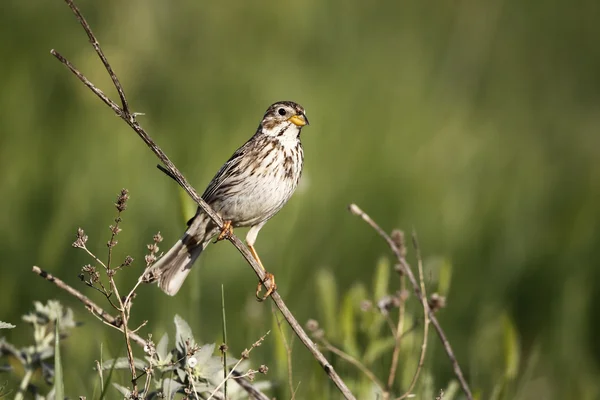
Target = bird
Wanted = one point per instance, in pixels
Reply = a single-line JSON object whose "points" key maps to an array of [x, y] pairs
{"points": [[249, 189]]}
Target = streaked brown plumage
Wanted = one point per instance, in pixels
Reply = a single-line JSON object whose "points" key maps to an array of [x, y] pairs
{"points": [[256, 182]]}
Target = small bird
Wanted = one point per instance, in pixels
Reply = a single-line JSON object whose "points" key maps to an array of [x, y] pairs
{"points": [[256, 182]]}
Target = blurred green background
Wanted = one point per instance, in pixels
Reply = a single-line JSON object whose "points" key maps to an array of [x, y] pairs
{"points": [[475, 123]]}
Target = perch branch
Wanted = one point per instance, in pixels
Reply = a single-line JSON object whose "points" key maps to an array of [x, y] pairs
{"points": [[354, 209], [130, 118]]}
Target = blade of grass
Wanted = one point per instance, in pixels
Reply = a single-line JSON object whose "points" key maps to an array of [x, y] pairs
{"points": [[59, 388]]}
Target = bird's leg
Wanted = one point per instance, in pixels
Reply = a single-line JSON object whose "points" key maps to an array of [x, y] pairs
{"points": [[268, 277], [226, 232]]}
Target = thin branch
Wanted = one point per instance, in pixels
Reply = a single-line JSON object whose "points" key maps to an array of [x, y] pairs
{"points": [[347, 357], [354, 209], [108, 319], [425, 316], [398, 339], [130, 119]]}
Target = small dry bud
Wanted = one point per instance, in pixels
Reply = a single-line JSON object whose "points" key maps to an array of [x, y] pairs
{"points": [[318, 334], [354, 209], [263, 369], [436, 302], [251, 374], [399, 269], [81, 239], [158, 238], [386, 303], [150, 259], [121, 203], [397, 237], [403, 295], [246, 354], [128, 261], [111, 243], [366, 305], [223, 348], [312, 325]]}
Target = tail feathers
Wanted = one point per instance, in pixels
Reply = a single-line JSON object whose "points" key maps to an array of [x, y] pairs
{"points": [[172, 268]]}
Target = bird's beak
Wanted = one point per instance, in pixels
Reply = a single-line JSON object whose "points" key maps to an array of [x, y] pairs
{"points": [[299, 120]]}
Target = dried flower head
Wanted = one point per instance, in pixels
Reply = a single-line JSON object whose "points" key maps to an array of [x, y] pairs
{"points": [[81, 239], [312, 325], [436, 302], [397, 237], [121, 203]]}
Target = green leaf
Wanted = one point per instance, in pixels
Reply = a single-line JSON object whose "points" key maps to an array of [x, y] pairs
{"points": [[382, 279], [123, 363], [183, 333], [170, 388], [6, 325], [59, 388], [378, 347], [328, 298], [511, 348], [350, 306], [204, 354]]}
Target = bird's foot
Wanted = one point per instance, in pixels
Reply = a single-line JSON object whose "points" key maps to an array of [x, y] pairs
{"points": [[269, 283], [226, 231]]}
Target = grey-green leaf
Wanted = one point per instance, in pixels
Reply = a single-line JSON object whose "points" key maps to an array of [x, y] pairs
{"points": [[162, 348], [123, 390], [6, 325], [183, 333]]}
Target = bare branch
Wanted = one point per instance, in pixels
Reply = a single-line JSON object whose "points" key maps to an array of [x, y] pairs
{"points": [[130, 119], [354, 209]]}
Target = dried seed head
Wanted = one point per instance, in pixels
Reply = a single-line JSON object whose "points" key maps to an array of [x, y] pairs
{"points": [[246, 354], [81, 239], [263, 369], [223, 348], [121, 203], [436, 302], [312, 325], [158, 238], [397, 237], [128, 261]]}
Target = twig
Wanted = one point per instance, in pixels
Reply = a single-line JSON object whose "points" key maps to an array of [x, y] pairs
{"points": [[425, 316], [354, 209], [245, 355], [398, 334], [347, 357], [107, 318], [130, 118]]}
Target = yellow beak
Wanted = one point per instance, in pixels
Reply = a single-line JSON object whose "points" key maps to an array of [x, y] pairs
{"points": [[299, 120]]}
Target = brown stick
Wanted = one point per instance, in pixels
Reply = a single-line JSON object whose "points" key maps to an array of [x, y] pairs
{"points": [[130, 118], [354, 209], [97, 311]]}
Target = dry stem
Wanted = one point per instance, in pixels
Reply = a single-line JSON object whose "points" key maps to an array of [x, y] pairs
{"points": [[354, 209], [124, 113]]}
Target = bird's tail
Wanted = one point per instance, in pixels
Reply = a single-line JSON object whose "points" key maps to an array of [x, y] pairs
{"points": [[172, 268]]}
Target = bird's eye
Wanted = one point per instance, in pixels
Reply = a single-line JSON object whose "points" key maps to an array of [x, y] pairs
{"points": [[281, 111]]}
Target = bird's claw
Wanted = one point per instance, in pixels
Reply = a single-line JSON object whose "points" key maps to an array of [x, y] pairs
{"points": [[226, 232], [271, 287]]}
